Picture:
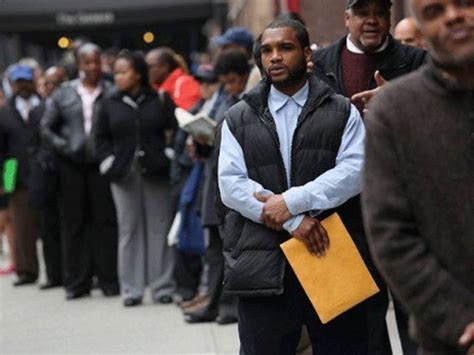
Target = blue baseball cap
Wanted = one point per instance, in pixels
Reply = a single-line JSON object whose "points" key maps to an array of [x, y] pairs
{"points": [[237, 35], [21, 72]]}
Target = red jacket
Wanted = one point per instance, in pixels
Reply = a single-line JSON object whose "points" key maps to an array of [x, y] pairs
{"points": [[182, 88]]}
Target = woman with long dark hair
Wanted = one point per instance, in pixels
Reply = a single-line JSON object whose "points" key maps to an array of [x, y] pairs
{"points": [[131, 140]]}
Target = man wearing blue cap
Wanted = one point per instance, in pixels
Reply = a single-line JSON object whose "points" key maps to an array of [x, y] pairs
{"points": [[18, 129], [239, 38], [235, 37]]}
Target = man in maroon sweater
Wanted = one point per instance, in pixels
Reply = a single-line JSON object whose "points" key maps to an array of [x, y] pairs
{"points": [[350, 65], [356, 66]]}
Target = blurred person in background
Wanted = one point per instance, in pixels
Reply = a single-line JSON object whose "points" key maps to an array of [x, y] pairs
{"points": [[166, 74], [192, 270], [18, 128], [418, 195], [232, 69], [50, 80], [408, 33], [44, 188], [108, 58], [7, 229], [189, 267], [239, 39], [131, 142], [54, 77], [88, 225]]}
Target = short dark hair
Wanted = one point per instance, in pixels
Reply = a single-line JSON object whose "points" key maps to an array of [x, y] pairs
{"points": [[233, 61], [301, 31], [167, 56], [137, 61]]}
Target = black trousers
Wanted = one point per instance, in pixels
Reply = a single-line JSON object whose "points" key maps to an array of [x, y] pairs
{"points": [[50, 233], [88, 228], [188, 268], [187, 274], [220, 302], [272, 325]]}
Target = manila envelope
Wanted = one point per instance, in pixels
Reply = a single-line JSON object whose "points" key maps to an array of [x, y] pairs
{"points": [[336, 282]]}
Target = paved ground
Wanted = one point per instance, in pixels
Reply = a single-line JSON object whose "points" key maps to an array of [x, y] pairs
{"points": [[42, 322]]}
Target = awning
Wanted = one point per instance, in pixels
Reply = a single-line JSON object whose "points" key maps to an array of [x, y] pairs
{"points": [[48, 15]]}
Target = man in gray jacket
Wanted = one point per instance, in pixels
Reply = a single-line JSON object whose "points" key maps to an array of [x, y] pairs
{"points": [[89, 227], [418, 195]]}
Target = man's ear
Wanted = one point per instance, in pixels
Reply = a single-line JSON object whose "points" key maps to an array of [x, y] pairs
{"points": [[347, 15], [308, 54]]}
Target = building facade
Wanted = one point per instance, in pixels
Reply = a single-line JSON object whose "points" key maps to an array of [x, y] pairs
{"points": [[324, 18]]}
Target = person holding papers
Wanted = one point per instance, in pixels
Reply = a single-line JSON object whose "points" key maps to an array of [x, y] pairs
{"points": [[291, 149], [130, 143], [232, 69]]}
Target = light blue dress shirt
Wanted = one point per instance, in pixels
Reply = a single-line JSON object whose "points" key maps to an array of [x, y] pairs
{"points": [[327, 191]]}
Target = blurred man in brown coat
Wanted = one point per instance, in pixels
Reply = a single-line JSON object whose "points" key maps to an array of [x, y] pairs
{"points": [[418, 194]]}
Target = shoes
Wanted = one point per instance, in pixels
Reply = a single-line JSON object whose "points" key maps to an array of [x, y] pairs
{"points": [[205, 315], [110, 292], [198, 306], [130, 302], [227, 319], [49, 284], [70, 295], [10, 269], [165, 299], [24, 280], [195, 300]]}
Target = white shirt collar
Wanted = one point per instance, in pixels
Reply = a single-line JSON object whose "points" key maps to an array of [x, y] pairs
{"points": [[280, 99], [82, 91], [354, 49], [24, 106]]}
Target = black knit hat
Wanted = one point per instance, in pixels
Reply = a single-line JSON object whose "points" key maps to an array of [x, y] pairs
{"points": [[351, 3]]}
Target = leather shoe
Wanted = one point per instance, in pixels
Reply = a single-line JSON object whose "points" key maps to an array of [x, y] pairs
{"points": [[195, 300], [25, 280], [201, 317], [47, 285], [227, 319], [197, 307], [75, 295], [130, 302]]}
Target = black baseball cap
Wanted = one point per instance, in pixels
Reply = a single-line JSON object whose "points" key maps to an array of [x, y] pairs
{"points": [[352, 3]]}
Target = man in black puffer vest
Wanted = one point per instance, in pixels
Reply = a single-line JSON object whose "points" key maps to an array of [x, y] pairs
{"points": [[291, 148]]}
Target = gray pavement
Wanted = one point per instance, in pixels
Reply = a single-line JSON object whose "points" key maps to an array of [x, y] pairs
{"points": [[43, 322]]}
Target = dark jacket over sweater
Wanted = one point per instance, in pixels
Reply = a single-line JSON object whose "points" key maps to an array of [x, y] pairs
{"points": [[62, 125], [396, 60], [254, 262], [20, 140], [419, 201], [127, 127]]}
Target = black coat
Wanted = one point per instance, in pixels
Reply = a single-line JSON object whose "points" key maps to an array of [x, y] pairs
{"points": [[396, 60], [127, 128], [20, 140], [62, 125]]}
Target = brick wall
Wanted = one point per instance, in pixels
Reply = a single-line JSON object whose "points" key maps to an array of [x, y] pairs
{"points": [[324, 18]]}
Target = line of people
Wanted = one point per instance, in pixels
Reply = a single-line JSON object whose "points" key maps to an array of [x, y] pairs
{"points": [[110, 165]]}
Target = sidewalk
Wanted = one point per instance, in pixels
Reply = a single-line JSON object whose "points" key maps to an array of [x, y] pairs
{"points": [[43, 322]]}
